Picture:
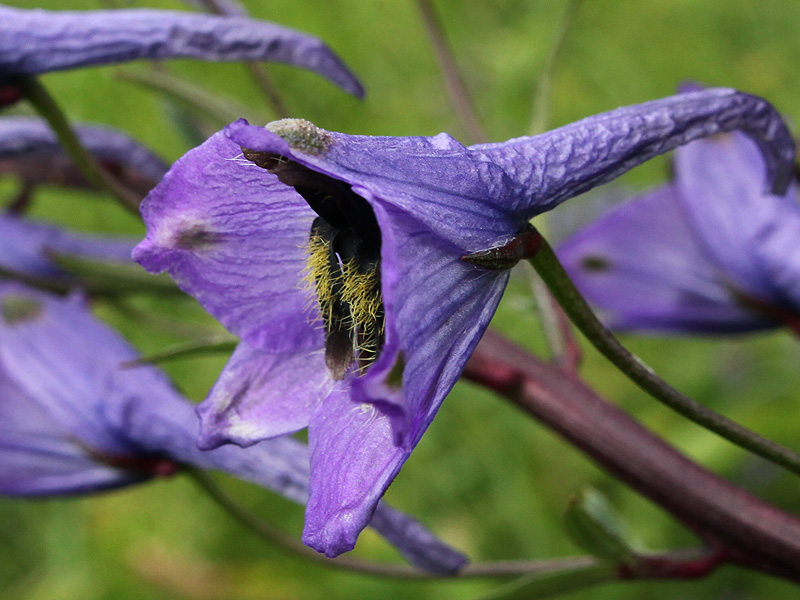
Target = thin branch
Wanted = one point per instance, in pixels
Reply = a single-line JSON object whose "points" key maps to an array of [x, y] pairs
{"points": [[454, 82], [46, 105], [288, 543], [747, 530], [549, 268], [542, 93]]}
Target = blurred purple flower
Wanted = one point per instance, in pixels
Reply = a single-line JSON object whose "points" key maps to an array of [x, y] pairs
{"points": [[30, 150], [38, 41], [73, 420], [712, 252], [341, 269]]}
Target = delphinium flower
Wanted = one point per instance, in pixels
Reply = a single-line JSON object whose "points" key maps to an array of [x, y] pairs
{"points": [[360, 272], [38, 41], [30, 151], [74, 420], [711, 252]]}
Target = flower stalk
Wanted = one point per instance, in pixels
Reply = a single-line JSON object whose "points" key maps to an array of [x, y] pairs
{"points": [[552, 272]]}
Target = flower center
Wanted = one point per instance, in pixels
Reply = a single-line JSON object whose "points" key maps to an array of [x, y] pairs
{"points": [[344, 257]]}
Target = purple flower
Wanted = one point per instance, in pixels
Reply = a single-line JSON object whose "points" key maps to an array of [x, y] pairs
{"points": [[30, 150], [712, 252], [38, 41], [72, 420], [341, 266]]}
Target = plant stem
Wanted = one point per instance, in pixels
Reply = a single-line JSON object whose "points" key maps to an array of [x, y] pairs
{"points": [[552, 272], [454, 82], [540, 119], [46, 105], [744, 529]]}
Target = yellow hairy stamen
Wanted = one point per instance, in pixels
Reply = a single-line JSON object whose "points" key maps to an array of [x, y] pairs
{"points": [[317, 274], [360, 290]]}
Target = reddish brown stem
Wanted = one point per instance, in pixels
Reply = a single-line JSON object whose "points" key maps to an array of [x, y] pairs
{"points": [[749, 531]]}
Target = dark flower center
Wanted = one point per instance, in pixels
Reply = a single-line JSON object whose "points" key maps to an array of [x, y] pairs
{"points": [[343, 265]]}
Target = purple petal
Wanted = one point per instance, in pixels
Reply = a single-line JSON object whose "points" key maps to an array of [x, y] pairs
{"points": [[37, 455], [438, 306], [458, 196], [232, 236], [25, 246], [354, 458], [38, 41], [565, 162], [643, 268], [29, 149], [751, 235], [261, 395]]}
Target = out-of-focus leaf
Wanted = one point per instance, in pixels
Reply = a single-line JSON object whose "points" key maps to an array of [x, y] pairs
{"points": [[592, 524]]}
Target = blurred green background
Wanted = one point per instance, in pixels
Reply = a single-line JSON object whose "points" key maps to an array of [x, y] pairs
{"points": [[485, 478]]}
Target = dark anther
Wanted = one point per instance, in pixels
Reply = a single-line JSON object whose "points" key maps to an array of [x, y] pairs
{"points": [[344, 262]]}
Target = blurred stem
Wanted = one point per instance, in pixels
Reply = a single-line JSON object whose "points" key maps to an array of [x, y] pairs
{"points": [[738, 527], [270, 534], [542, 93], [553, 274], [219, 111], [46, 106], [454, 82], [207, 345]]}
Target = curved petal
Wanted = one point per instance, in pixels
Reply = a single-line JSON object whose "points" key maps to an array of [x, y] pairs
{"points": [[458, 196], [570, 160], [643, 268], [29, 148], [37, 41], [260, 395], [232, 236], [720, 183], [437, 306], [353, 460]]}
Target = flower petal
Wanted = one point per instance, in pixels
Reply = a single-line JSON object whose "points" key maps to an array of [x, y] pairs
{"points": [[720, 183], [353, 460], [643, 268], [232, 236], [568, 161], [260, 395], [37, 456], [37, 41], [29, 149], [437, 306], [458, 196]]}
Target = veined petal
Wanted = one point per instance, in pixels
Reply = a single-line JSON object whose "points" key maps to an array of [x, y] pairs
{"points": [[565, 162], [437, 308], [37, 41], [354, 458], [261, 395], [742, 228], [234, 237], [29, 149], [643, 268], [458, 196]]}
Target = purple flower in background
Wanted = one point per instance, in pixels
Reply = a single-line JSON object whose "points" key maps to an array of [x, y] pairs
{"points": [[712, 252], [38, 41], [30, 150], [347, 265], [72, 420]]}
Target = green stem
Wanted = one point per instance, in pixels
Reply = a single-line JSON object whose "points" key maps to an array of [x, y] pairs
{"points": [[290, 544], [542, 93], [550, 270], [454, 82], [46, 105]]}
